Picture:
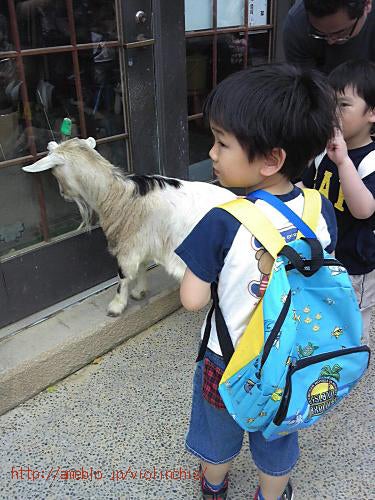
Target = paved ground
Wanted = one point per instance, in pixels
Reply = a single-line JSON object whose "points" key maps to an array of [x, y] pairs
{"points": [[120, 425]]}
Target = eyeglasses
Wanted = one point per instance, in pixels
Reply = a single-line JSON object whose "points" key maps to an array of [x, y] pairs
{"points": [[334, 36]]}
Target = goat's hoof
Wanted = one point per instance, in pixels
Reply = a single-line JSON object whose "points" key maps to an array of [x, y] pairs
{"points": [[138, 295], [115, 309], [113, 314]]}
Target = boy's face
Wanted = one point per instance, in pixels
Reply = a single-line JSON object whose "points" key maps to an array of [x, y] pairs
{"points": [[230, 162], [355, 116]]}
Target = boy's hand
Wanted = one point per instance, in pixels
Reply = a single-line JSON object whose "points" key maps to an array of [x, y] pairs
{"points": [[337, 150]]}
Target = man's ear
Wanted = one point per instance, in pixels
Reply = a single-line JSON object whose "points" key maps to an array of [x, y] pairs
{"points": [[368, 6], [273, 162]]}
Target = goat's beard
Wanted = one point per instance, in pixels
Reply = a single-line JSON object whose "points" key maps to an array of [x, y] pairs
{"points": [[86, 213]]}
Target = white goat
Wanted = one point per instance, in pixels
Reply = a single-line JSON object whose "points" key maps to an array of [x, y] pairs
{"points": [[144, 218]]}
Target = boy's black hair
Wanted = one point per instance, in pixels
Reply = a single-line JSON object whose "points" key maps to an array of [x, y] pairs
{"points": [[322, 8], [357, 74], [276, 106]]}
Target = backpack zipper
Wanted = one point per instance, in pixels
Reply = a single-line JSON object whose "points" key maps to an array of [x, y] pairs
{"points": [[302, 363], [275, 330], [325, 262]]}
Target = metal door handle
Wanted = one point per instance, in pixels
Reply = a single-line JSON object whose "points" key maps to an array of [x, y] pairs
{"points": [[140, 17]]}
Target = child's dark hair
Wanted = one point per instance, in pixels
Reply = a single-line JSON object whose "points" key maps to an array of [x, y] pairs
{"points": [[276, 106], [322, 8], [359, 75]]}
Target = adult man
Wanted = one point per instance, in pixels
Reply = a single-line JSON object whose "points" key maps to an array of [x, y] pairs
{"points": [[324, 33]]}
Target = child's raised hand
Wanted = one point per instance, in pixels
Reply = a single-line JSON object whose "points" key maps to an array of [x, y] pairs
{"points": [[337, 149]]}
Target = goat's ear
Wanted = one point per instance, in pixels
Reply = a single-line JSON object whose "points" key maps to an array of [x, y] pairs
{"points": [[52, 146], [91, 142], [46, 163]]}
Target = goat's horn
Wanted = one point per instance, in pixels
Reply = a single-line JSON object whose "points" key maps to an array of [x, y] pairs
{"points": [[52, 145], [91, 142], [43, 164]]}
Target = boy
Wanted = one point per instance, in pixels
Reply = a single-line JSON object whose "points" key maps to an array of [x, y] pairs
{"points": [[267, 122], [346, 176]]}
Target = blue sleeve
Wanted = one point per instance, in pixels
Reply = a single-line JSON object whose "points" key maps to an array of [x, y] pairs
{"points": [[205, 248], [328, 212], [308, 176]]}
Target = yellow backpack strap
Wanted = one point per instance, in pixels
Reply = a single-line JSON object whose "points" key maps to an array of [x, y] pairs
{"points": [[311, 209], [257, 223], [262, 228]]}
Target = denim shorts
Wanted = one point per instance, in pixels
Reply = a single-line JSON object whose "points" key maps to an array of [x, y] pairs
{"points": [[216, 438]]}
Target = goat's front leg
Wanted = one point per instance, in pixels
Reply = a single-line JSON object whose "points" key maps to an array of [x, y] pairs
{"points": [[140, 288], [120, 300]]}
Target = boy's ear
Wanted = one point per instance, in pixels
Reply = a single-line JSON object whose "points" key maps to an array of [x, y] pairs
{"points": [[371, 115], [273, 162]]}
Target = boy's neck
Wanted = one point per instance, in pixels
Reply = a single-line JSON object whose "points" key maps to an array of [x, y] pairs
{"points": [[359, 140], [276, 185]]}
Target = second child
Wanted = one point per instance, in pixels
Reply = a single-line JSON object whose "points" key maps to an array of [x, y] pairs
{"points": [[345, 174]]}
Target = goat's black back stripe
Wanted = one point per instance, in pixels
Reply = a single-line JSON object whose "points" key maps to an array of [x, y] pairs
{"points": [[146, 183]]}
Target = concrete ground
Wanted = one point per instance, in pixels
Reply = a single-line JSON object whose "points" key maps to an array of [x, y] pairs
{"points": [[115, 430]]}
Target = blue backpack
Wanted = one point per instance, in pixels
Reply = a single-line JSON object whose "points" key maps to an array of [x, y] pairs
{"points": [[301, 352]]}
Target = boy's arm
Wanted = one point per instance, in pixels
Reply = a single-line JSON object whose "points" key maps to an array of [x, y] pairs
{"points": [[204, 251], [359, 199], [194, 292]]}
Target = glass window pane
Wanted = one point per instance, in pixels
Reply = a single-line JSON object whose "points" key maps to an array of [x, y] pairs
{"points": [[9, 129], [258, 48], [199, 72], [95, 21], [200, 141], [19, 225], [258, 12], [116, 153], [52, 96], [102, 93], [5, 32], [231, 51], [42, 23], [9, 83], [230, 13], [198, 14]]}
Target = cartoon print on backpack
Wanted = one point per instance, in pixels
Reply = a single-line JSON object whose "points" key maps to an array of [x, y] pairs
{"points": [[337, 332], [308, 350], [249, 384], [336, 270], [268, 325], [277, 394], [323, 393]]}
